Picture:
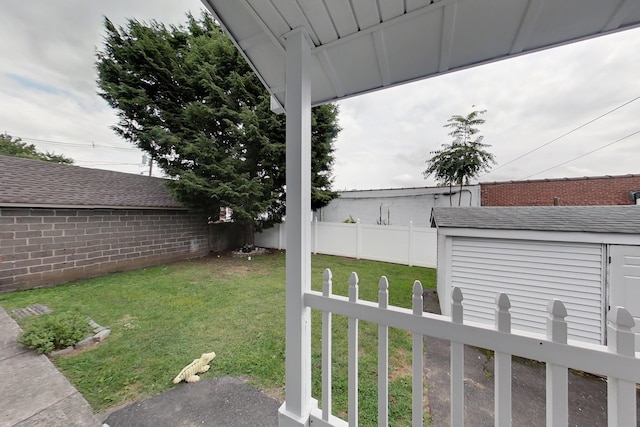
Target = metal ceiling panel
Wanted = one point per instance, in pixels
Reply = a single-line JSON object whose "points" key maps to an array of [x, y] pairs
{"points": [[319, 19], [343, 18], [404, 52], [367, 14], [356, 64], [471, 46], [366, 45], [417, 4], [391, 8]]}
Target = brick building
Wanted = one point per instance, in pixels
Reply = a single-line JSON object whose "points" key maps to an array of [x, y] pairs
{"points": [[602, 190], [60, 223]]}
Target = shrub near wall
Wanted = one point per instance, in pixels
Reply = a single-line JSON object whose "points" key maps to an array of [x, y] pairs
{"points": [[40, 247]]}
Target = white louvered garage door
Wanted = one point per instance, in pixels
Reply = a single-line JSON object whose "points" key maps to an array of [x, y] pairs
{"points": [[531, 273]]}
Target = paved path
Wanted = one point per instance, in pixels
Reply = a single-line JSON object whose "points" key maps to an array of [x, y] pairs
{"points": [[33, 391], [221, 402], [587, 393]]}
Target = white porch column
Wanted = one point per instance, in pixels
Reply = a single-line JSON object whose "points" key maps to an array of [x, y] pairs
{"points": [[297, 407]]}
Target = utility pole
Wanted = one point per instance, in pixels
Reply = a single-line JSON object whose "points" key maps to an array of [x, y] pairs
{"points": [[150, 160]]}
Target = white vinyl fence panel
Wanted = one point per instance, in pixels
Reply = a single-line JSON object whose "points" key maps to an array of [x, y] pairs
{"points": [[334, 238], [400, 245]]}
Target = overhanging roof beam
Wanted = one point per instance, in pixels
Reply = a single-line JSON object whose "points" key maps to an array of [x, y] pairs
{"points": [[254, 41], [293, 14], [325, 61], [623, 10], [448, 30], [409, 15], [381, 55], [263, 25], [526, 26]]}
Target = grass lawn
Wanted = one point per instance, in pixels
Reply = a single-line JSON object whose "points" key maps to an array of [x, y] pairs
{"points": [[163, 317]]}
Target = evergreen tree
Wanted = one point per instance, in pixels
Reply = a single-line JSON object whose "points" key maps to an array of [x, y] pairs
{"points": [[15, 147], [186, 96], [465, 157]]}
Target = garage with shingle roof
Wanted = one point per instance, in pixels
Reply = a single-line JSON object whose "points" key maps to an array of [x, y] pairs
{"points": [[60, 223], [34, 183], [586, 256]]}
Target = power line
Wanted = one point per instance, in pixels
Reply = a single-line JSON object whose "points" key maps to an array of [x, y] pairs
{"points": [[583, 155], [76, 144], [563, 135], [91, 162]]}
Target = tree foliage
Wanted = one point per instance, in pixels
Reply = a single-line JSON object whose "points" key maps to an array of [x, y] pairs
{"points": [[465, 157], [11, 146], [186, 96]]}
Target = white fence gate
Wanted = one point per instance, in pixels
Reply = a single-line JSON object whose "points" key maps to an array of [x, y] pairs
{"points": [[617, 361], [400, 245]]}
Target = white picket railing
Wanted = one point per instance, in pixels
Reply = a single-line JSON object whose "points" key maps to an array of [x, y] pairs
{"points": [[617, 361], [407, 245]]}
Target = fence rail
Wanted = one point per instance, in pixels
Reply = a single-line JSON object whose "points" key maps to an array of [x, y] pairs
{"points": [[617, 361], [400, 245]]}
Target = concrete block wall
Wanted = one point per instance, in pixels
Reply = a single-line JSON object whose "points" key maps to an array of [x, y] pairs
{"points": [[42, 247], [607, 190]]}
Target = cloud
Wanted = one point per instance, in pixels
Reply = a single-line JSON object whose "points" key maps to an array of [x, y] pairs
{"points": [[48, 92], [47, 75], [531, 100]]}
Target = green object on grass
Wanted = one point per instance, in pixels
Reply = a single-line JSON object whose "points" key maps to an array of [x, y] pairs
{"points": [[54, 331]]}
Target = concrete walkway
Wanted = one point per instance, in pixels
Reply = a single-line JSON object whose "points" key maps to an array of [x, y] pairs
{"points": [[33, 391]]}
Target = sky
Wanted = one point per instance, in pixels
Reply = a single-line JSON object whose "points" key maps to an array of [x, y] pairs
{"points": [[535, 103]]}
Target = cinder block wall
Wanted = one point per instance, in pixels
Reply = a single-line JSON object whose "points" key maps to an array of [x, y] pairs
{"points": [[612, 190], [42, 247]]}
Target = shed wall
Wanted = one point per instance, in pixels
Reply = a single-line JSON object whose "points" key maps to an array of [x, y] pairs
{"points": [[532, 273], [40, 247]]}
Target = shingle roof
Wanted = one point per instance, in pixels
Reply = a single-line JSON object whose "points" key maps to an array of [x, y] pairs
{"points": [[35, 183], [593, 219]]}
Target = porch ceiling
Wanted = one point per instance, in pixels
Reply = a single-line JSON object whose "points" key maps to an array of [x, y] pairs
{"points": [[366, 45]]}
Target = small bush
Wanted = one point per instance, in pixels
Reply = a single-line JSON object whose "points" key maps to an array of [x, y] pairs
{"points": [[54, 331]]}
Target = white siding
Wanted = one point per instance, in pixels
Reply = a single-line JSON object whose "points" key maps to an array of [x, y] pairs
{"points": [[531, 273], [397, 207]]}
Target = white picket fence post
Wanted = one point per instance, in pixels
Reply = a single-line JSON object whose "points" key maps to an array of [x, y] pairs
{"points": [[617, 361], [353, 355], [383, 356], [457, 362], [557, 376], [327, 291], [502, 380], [621, 402]]}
